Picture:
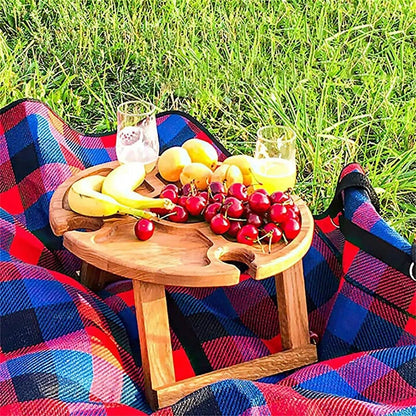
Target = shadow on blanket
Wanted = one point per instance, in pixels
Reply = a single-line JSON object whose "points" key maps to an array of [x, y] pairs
{"points": [[67, 351]]}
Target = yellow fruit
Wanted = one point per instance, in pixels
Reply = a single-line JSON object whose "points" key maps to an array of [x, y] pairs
{"points": [[227, 174], [234, 175], [122, 182], [220, 173], [245, 163], [172, 161], [198, 173], [85, 198], [201, 151]]}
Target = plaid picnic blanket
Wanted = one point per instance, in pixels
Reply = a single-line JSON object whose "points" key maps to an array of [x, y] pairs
{"points": [[67, 351]]}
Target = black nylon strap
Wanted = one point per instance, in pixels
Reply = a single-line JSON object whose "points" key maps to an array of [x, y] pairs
{"points": [[352, 180], [377, 247], [414, 251], [187, 337]]}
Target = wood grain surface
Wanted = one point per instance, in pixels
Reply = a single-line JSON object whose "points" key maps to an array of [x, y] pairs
{"points": [[250, 370], [177, 254]]}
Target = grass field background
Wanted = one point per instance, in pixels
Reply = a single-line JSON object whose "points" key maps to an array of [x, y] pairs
{"points": [[342, 74]]}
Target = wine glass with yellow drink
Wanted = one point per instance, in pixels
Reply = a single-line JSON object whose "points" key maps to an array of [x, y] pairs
{"points": [[275, 164]]}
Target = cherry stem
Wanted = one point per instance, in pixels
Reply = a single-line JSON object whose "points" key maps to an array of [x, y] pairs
{"points": [[227, 207], [193, 187], [259, 242], [254, 176], [269, 234], [153, 218], [167, 215]]}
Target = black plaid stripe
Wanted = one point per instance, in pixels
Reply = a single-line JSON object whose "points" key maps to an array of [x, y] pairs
{"points": [[201, 403], [207, 326], [33, 386], [19, 330], [25, 162]]}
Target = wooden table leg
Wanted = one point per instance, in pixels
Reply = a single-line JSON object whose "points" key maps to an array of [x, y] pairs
{"points": [[94, 278], [162, 390], [291, 302], [154, 334]]}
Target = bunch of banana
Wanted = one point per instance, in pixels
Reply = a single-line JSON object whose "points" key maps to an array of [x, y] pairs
{"points": [[121, 183], [99, 196]]}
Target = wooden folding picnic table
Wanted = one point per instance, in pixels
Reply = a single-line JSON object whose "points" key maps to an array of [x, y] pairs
{"points": [[187, 255]]}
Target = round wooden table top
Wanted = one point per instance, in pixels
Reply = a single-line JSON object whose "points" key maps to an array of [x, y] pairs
{"points": [[188, 255]]}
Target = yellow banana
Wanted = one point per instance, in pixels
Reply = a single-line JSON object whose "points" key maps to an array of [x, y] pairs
{"points": [[85, 198], [121, 183]]}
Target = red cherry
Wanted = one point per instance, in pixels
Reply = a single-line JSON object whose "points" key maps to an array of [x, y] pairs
{"points": [[178, 214], [182, 200], [262, 191], [143, 229], [273, 231], [171, 186], [195, 204], [292, 214], [291, 228], [295, 209], [204, 194], [278, 213], [232, 207], [216, 188], [235, 227], [239, 191], [248, 234], [254, 219], [219, 224], [160, 211], [259, 202], [187, 189], [218, 197], [279, 197], [169, 194], [247, 210], [211, 210]]}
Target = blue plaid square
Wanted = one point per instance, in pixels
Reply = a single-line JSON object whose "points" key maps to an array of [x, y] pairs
{"points": [[174, 132], [346, 319], [330, 382], [21, 300], [18, 137], [50, 293]]}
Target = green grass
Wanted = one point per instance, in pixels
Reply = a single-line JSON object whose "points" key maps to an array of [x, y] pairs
{"points": [[342, 74]]}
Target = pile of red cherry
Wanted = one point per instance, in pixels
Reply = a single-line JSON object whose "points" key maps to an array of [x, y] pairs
{"points": [[255, 218]]}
